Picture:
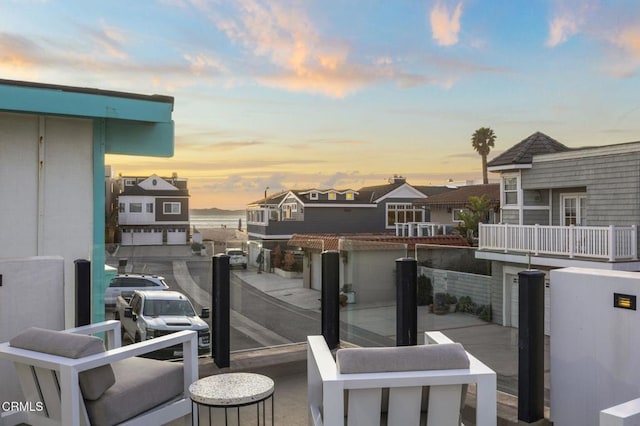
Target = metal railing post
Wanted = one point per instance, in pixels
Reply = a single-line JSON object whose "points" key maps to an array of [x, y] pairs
{"points": [[83, 292], [220, 301], [407, 302], [530, 346], [330, 303]]}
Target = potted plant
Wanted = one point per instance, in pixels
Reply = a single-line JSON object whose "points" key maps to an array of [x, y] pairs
{"points": [[452, 301], [347, 290], [343, 300]]}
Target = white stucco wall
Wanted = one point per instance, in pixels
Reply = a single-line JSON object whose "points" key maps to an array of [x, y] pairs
{"points": [[47, 195], [142, 218], [31, 295], [595, 348]]}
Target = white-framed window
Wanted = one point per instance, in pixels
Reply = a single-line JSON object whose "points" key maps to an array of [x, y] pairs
{"points": [[129, 182], [456, 214], [332, 195], [313, 195], [149, 207], [350, 196], [403, 213], [121, 207], [135, 208], [510, 190], [171, 208], [573, 209], [288, 209]]}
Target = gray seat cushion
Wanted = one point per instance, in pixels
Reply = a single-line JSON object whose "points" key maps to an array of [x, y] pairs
{"points": [[141, 384], [93, 383], [444, 356]]}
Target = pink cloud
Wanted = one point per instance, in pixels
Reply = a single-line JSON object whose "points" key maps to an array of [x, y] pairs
{"points": [[445, 26], [629, 40], [561, 28]]}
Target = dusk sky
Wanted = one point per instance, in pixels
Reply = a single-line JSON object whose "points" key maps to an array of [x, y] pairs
{"points": [[340, 93]]}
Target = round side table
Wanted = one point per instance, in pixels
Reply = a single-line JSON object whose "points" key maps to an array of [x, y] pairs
{"points": [[231, 390]]}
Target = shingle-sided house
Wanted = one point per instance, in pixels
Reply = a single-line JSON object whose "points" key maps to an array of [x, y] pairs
{"points": [[562, 207], [368, 209], [445, 208], [153, 210]]}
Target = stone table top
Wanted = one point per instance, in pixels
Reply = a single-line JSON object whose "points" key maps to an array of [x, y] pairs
{"points": [[231, 389]]}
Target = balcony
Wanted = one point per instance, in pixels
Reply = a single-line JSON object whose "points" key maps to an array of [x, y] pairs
{"points": [[421, 229], [609, 243]]}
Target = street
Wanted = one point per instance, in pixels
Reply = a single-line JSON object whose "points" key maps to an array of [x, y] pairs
{"points": [[257, 319]]}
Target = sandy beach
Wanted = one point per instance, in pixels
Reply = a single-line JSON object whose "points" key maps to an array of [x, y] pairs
{"points": [[222, 235]]}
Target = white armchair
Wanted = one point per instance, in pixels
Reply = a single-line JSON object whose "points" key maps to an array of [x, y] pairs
{"points": [[71, 380], [353, 386]]}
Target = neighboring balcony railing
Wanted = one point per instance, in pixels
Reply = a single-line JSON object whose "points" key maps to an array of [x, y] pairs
{"points": [[612, 243], [420, 229]]}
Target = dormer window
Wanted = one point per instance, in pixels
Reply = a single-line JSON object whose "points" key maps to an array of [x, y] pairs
{"points": [[313, 195], [332, 196], [350, 196]]}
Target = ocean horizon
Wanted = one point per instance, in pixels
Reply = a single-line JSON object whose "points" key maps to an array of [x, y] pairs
{"points": [[216, 221]]}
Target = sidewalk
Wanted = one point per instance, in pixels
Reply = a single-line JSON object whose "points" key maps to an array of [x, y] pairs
{"points": [[289, 290]]}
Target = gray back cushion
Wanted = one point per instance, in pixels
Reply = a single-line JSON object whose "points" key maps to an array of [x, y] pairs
{"points": [[446, 356], [94, 382]]}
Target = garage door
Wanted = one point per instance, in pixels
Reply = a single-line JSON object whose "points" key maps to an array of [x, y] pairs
{"points": [[176, 236], [126, 237], [511, 281], [147, 237]]}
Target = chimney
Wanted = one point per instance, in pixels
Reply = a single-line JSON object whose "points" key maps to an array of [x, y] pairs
{"points": [[397, 179]]}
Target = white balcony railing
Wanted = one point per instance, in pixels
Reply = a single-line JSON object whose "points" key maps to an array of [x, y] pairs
{"points": [[612, 243], [419, 229]]}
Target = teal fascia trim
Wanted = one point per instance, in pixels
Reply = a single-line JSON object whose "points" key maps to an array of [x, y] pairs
{"points": [[131, 124], [98, 281], [43, 100], [136, 138]]}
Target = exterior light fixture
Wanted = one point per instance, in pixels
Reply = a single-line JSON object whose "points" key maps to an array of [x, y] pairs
{"points": [[624, 301]]}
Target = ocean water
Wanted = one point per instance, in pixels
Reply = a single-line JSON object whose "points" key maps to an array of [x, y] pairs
{"points": [[217, 221]]}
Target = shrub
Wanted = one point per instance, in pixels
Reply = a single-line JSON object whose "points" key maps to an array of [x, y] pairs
{"points": [[292, 262], [277, 257], [451, 299], [485, 313], [466, 305]]}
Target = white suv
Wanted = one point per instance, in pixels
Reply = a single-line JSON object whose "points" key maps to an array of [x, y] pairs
{"points": [[125, 284], [236, 257]]}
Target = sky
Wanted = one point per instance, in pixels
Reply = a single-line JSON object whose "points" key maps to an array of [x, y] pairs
{"points": [[340, 93]]}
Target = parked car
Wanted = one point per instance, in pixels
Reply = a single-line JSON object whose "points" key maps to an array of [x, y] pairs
{"points": [[125, 284], [152, 314], [236, 257]]}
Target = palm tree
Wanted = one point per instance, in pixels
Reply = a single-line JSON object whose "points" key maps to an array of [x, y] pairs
{"points": [[482, 141], [476, 211]]}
